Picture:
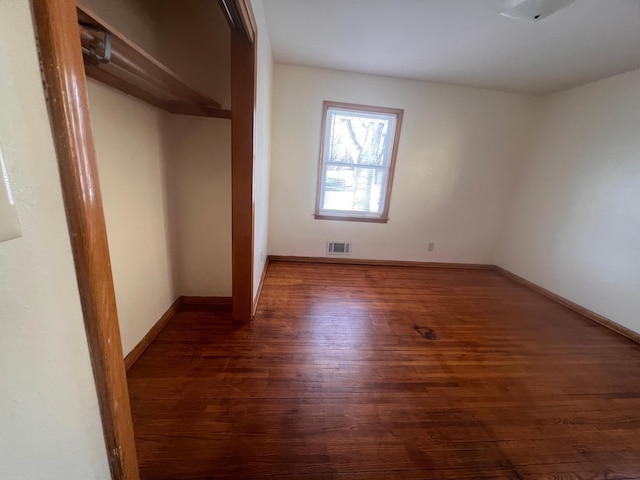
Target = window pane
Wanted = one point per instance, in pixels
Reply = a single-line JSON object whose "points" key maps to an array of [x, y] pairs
{"points": [[359, 137], [356, 161], [357, 189]]}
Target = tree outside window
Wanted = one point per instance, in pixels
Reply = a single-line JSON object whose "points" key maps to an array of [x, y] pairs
{"points": [[359, 146]]}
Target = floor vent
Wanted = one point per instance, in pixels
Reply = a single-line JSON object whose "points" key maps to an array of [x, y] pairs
{"points": [[339, 248]]}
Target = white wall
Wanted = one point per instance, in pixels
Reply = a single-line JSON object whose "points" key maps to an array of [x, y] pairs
{"points": [[49, 417], [458, 153], [165, 178], [128, 135], [132, 18], [194, 41], [262, 161], [575, 224], [199, 187]]}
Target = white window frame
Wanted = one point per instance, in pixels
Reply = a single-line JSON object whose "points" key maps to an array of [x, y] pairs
{"points": [[352, 215]]}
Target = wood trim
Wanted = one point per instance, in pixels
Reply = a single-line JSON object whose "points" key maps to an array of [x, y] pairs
{"points": [[382, 263], [384, 217], [127, 55], [181, 301], [585, 312], [171, 106], [182, 108], [230, 11], [260, 285], [65, 82], [169, 92], [151, 335], [195, 300], [240, 17], [248, 19], [243, 101], [102, 76]]}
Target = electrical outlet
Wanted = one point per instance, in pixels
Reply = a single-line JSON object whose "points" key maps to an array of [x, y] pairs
{"points": [[431, 246], [262, 256]]}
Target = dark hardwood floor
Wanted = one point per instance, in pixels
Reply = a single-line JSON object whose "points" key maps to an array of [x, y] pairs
{"points": [[366, 373]]}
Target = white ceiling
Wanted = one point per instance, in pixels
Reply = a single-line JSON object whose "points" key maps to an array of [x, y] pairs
{"points": [[461, 42]]}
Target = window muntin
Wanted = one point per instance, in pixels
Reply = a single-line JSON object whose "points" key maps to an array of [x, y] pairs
{"points": [[357, 160]]}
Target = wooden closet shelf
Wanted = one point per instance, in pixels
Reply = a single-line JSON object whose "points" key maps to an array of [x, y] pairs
{"points": [[134, 72]]}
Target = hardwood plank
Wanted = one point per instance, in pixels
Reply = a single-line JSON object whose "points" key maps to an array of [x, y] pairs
{"points": [[143, 344], [195, 300], [65, 82], [333, 381], [388, 263], [602, 320], [205, 303]]}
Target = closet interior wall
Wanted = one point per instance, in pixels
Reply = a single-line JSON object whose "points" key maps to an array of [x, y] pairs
{"points": [[165, 178]]}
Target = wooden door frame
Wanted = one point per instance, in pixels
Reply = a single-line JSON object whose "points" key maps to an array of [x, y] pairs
{"points": [[243, 106], [65, 83]]}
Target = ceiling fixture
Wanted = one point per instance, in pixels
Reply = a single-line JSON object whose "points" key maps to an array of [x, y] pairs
{"points": [[532, 10]]}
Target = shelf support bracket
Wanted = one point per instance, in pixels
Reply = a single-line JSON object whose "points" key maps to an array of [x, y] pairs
{"points": [[91, 51]]}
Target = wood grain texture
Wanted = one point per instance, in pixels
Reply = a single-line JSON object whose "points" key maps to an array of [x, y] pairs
{"points": [[128, 56], [616, 327], [243, 105], [184, 303], [143, 344], [171, 106], [388, 263], [133, 71], [184, 108], [191, 300], [385, 372], [57, 31], [107, 78]]}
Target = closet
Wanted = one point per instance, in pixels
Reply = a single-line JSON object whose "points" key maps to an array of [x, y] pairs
{"points": [[159, 98], [161, 220]]}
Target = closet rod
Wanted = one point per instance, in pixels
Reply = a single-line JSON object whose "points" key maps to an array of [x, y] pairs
{"points": [[142, 65], [128, 57]]}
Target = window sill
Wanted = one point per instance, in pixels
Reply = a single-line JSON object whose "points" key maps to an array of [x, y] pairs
{"points": [[344, 218]]}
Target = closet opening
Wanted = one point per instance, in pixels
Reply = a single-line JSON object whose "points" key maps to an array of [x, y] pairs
{"points": [[155, 153]]}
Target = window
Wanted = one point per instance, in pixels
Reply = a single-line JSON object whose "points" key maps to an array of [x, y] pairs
{"points": [[357, 158]]}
